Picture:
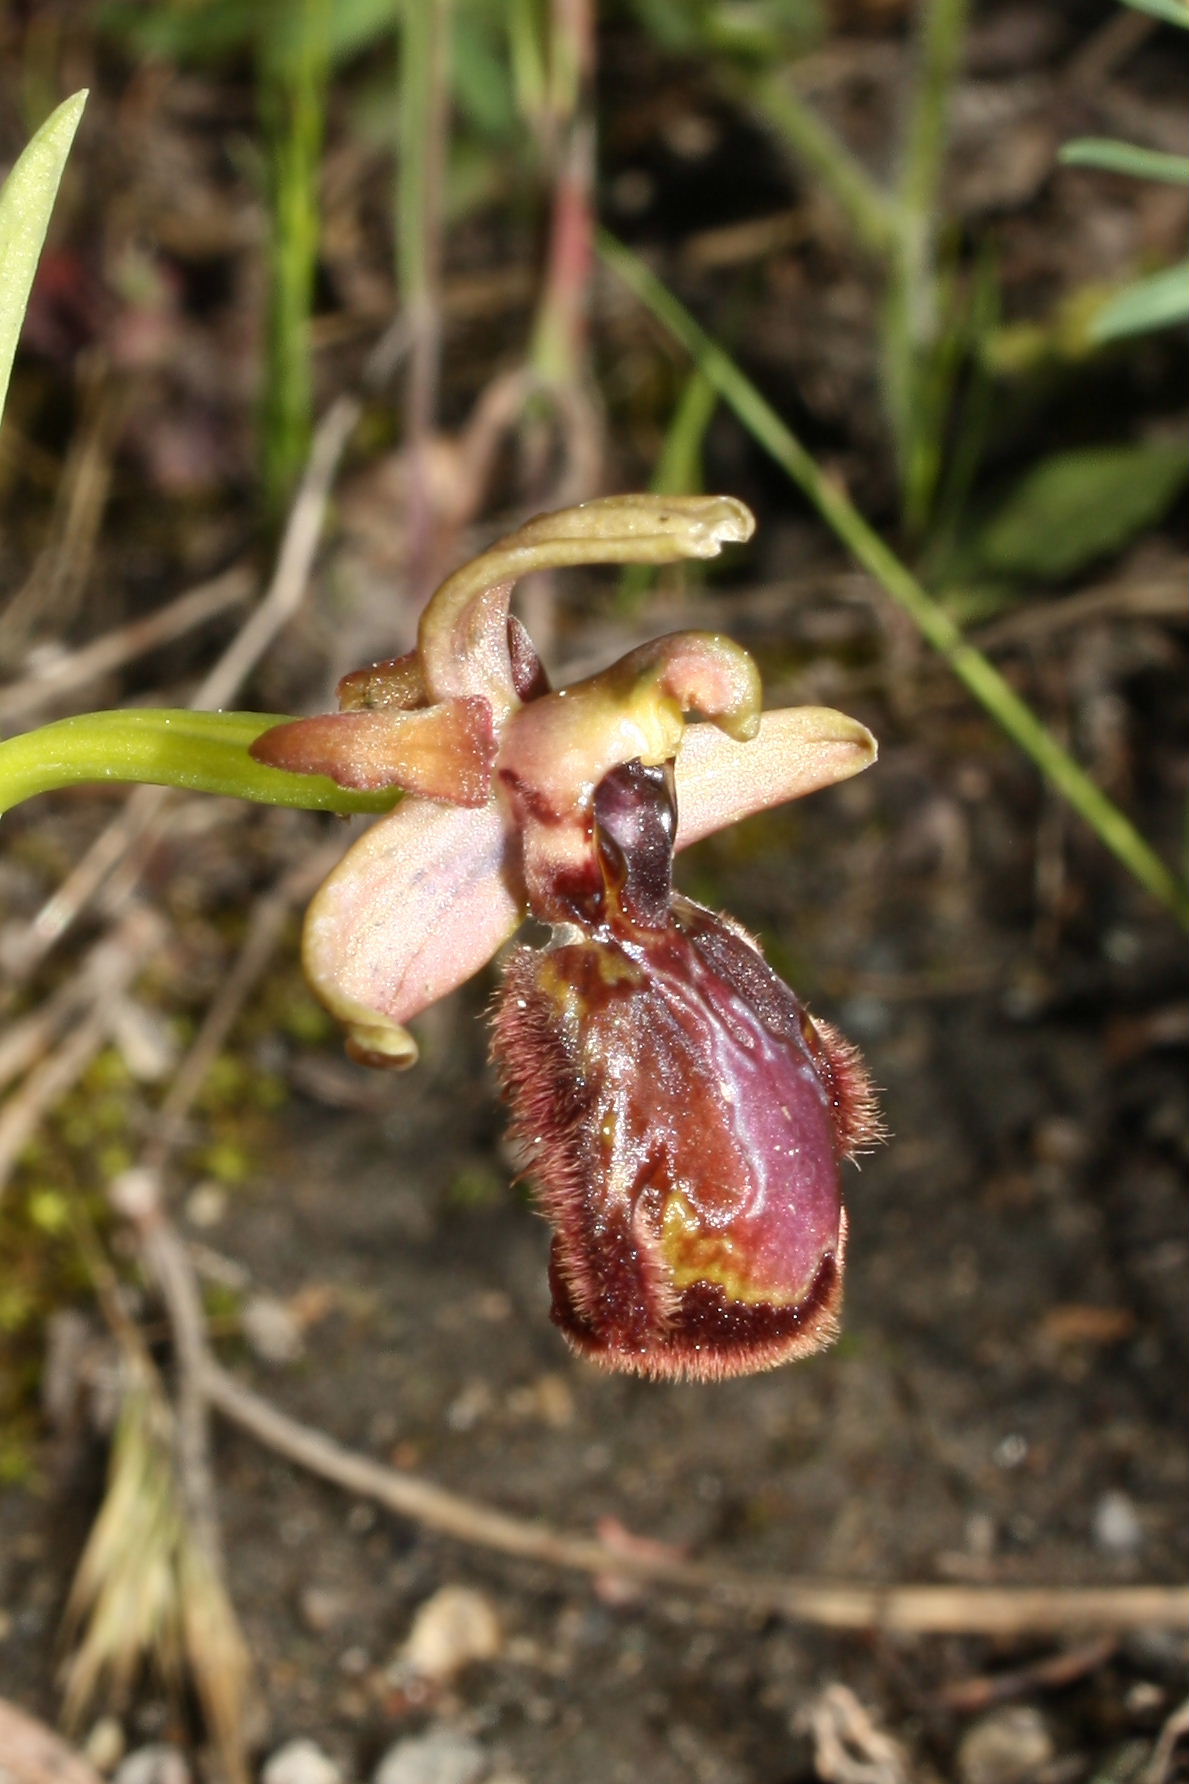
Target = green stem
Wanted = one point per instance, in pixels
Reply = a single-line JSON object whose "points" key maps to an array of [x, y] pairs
{"points": [[567, 140], [678, 472], [205, 752], [423, 129], [942, 35], [819, 150], [912, 317], [968, 664], [294, 67]]}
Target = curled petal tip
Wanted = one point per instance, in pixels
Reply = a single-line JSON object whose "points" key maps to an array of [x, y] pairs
{"points": [[381, 1045], [725, 521], [704, 672], [562, 746]]}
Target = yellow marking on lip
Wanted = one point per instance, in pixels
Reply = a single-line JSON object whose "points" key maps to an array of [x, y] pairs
{"points": [[695, 1255]]}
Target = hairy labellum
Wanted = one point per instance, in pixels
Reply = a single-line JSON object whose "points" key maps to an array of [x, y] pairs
{"points": [[684, 1119]]}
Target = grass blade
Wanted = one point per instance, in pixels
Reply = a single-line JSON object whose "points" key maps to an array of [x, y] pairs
{"points": [[1159, 301], [971, 667], [25, 206], [1124, 157]]}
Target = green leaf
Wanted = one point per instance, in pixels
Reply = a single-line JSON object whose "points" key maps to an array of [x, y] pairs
{"points": [[25, 206], [1173, 12], [204, 752], [1078, 506], [1124, 157], [1159, 301]]}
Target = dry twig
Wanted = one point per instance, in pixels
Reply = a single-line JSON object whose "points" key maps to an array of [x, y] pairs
{"points": [[264, 933], [1052, 1672], [137, 1196], [917, 1610], [116, 843], [1171, 1735]]}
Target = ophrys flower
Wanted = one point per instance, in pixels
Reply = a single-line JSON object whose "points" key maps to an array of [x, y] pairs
{"points": [[682, 1116]]}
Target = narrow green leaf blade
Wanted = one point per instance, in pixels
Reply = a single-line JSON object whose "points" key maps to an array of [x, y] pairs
{"points": [[1173, 12], [25, 206], [1159, 301], [1111, 156]]}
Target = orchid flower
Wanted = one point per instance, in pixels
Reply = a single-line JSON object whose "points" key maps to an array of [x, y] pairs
{"points": [[682, 1116]]}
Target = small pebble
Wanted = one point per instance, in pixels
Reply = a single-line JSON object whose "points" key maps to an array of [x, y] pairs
{"points": [[105, 1744], [439, 1757], [450, 1630], [271, 1331], [1117, 1528], [1145, 1699], [206, 1205], [300, 1762], [154, 1764], [322, 1609], [1005, 1747]]}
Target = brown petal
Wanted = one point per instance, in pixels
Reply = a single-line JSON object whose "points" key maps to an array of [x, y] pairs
{"points": [[445, 752], [397, 681], [799, 749], [417, 905]]}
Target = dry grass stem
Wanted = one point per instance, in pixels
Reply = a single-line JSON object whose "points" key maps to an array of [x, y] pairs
{"points": [[54, 589], [60, 1070], [915, 1610], [1172, 1734], [63, 674], [147, 1589], [115, 844], [264, 934]]}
